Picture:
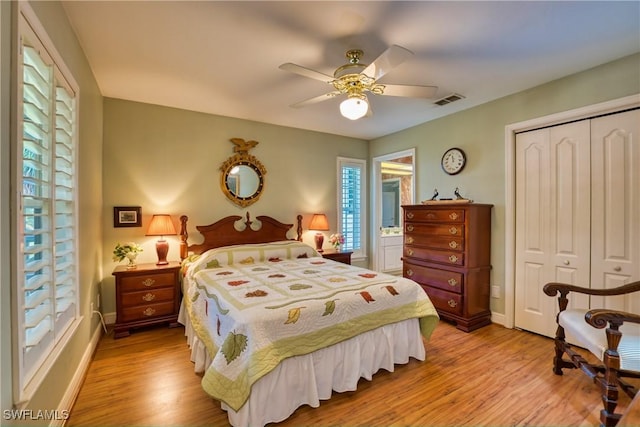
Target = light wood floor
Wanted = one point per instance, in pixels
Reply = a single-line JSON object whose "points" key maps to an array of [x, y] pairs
{"points": [[491, 377]]}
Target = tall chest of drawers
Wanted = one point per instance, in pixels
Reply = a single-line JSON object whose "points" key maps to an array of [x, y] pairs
{"points": [[146, 295], [447, 250]]}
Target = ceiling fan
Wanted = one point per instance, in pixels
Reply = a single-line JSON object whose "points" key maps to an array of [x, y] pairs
{"points": [[355, 79]]}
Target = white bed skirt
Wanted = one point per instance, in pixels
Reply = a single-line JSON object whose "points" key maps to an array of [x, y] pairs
{"points": [[307, 379]]}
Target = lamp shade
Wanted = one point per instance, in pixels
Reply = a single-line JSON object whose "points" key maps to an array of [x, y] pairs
{"points": [[161, 225], [319, 222], [354, 107]]}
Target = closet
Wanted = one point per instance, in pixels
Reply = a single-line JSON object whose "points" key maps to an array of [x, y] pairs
{"points": [[577, 214]]}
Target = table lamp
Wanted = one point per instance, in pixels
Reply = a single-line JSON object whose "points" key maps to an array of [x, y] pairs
{"points": [[161, 225], [319, 222]]}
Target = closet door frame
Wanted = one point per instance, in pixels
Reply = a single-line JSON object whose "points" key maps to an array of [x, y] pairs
{"points": [[612, 106]]}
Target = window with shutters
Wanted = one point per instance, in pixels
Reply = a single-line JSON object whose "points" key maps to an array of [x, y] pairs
{"points": [[47, 275], [351, 203]]}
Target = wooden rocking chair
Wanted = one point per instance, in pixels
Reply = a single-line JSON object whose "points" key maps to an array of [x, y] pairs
{"points": [[617, 348]]}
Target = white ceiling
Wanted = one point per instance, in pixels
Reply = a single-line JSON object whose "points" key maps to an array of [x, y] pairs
{"points": [[222, 57]]}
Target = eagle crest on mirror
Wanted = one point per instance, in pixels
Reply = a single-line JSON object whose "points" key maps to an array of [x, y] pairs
{"points": [[242, 177]]}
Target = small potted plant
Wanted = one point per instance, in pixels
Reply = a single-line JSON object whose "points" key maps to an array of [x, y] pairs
{"points": [[336, 240], [129, 251]]}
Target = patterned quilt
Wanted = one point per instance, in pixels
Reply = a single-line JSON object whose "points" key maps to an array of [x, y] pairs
{"points": [[256, 305]]}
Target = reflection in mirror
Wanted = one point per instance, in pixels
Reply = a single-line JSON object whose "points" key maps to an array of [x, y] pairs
{"points": [[391, 202], [242, 175], [396, 176], [243, 181]]}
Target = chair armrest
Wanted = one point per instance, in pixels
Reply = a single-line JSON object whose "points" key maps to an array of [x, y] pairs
{"points": [[599, 317], [553, 288]]}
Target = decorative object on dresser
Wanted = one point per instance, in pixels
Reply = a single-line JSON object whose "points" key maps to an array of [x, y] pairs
{"points": [[161, 225], [338, 255], [148, 295], [447, 249], [129, 251], [319, 223]]}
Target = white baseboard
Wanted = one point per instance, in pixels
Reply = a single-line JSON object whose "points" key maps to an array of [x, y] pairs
{"points": [[498, 318], [76, 382], [109, 318]]}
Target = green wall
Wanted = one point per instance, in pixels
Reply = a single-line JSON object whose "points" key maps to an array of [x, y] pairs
{"points": [[54, 20], [167, 160], [480, 132]]}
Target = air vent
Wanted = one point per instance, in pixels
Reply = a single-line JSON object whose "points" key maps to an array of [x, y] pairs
{"points": [[449, 99]]}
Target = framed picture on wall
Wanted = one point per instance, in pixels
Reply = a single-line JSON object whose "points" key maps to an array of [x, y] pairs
{"points": [[127, 216]]}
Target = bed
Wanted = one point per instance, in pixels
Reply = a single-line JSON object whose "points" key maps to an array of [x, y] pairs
{"points": [[273, 326]]}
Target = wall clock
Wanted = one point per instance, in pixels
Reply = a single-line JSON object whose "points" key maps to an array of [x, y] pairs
{"points": [[453, 160]]}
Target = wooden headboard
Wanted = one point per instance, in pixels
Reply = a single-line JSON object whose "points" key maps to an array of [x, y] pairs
{"points": [[224, 233]]}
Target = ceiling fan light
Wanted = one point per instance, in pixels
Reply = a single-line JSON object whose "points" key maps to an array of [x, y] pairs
{"points": [[354, 107]]}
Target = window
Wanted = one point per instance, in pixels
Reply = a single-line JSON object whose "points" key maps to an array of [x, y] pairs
{"points": [[351, 203], [47, 278]]}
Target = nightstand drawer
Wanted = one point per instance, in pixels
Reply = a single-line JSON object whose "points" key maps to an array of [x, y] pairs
{"points": [[147, 281], [147, 311], [149, 296]]}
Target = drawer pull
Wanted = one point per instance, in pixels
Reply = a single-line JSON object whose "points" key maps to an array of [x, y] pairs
{"points": [[453, 244], [452, 303], [617, 268], [410, 227], [410, 252], [453, 258], [148, 282], [452, 282], [453, 216], [453, 230], [149, 311], [410, 215], [409, 272], [149, 297], [431, 215], [409, 240]]}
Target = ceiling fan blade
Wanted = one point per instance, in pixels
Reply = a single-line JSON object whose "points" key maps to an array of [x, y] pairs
{"points": [[389, 59], [410, 91], [306, 72], [316, 99]]}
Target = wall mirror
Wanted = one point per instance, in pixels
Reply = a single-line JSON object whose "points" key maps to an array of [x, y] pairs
{"points": [[242, 175]]}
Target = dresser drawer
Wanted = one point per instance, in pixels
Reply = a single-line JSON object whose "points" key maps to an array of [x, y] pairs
{"points": [[450, 281], [434, 215], [432, 255], [148, 296], [430, 230], [453, 243], [147, 281], [445, 301], [146, 311]]}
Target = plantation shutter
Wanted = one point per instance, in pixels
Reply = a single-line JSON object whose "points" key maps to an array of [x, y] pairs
{"points": [[47, 280], [350, 204]]}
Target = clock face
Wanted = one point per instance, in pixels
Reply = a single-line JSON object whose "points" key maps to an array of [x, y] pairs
{"points": [[453, 161]]}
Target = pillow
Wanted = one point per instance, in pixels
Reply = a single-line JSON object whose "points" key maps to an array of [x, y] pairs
{"points": [[251, 253]]}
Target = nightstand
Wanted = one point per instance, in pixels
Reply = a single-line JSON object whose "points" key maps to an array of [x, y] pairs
{"points": [[146, 295], [337, 255]]}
